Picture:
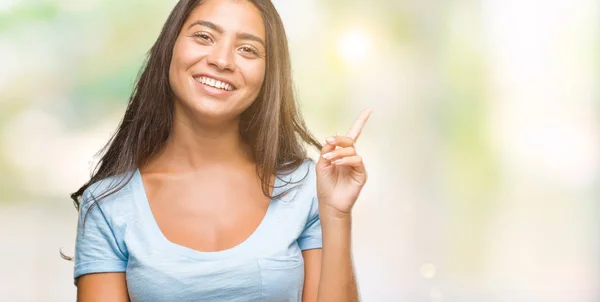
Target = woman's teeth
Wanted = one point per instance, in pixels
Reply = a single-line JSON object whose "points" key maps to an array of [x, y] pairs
{"points": [[214, 83]]}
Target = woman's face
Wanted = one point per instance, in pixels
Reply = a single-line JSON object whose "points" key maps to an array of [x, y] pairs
{"points": [[218, 62]]}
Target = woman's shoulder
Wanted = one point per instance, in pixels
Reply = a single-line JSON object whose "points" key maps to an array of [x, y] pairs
{"points": [[305, 171], [300, 182], [112, 195]]}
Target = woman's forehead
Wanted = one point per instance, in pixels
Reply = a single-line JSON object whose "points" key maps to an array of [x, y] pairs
{"points": [[229, 16]]}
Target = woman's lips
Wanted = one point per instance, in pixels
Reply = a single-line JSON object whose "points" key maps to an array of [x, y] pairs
{"points": [[213, 91]]}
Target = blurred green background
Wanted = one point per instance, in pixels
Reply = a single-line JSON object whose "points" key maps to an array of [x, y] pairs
{"points": [[482, 149]]}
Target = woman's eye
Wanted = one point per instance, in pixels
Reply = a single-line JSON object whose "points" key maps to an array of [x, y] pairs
{"points": [[251, 50], [202, 36]]}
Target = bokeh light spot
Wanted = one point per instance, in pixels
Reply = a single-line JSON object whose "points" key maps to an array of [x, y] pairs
{"points": [[354, 46], [428, 270]]}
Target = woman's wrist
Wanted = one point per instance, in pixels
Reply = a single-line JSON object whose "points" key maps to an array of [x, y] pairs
{"points": [[327, 213]]}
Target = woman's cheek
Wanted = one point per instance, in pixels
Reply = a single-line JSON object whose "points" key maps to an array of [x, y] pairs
{"points": [[190, 53], [257, 74]]}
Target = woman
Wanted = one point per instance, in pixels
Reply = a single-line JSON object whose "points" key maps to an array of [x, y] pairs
{"points": [[205, 192]]}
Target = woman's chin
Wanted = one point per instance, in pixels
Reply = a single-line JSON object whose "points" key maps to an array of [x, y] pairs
{"points": [[215, 112]]}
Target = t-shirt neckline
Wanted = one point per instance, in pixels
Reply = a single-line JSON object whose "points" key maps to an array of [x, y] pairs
{"points": [[150, 222]]}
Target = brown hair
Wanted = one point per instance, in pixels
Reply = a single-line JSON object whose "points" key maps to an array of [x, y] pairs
{"points": [[272, 125]]}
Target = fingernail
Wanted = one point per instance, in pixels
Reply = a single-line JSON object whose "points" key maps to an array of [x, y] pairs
{"points": [[328, 155], [331, 140], [337, 162]]}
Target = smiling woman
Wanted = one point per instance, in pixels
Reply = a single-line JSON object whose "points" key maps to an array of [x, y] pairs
{"points": [[228, 36], [205, 192]]}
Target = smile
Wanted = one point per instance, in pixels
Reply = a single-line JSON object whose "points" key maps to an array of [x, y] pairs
{"points": [[214, 83]]}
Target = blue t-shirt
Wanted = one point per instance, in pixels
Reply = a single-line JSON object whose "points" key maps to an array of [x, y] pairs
{"points": [[121, 235]]}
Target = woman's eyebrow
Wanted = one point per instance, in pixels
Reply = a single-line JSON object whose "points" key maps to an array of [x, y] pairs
{"points": [[247, 36], [208, 24], [219, 29]]}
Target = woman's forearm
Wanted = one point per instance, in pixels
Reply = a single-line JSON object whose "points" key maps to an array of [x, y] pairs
{"points": [[337, 281]]}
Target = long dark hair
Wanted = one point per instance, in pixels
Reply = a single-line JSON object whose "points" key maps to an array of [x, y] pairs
{"points": [[272, 126]]}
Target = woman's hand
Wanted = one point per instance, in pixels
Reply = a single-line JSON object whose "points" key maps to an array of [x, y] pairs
{"points": [[340, 171]]}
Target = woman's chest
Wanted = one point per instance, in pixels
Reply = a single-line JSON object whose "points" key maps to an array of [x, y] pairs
{"points": [[161, 275], [207, 219]]}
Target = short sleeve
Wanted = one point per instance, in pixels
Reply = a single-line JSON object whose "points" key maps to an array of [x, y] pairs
{"points": [[311, 237], [96, 246]]}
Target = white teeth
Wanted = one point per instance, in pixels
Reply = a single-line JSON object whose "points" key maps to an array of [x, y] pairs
{"points": [[214, 83]]}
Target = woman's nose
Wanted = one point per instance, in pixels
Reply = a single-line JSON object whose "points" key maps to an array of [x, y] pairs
{"points": [[222, 57]]}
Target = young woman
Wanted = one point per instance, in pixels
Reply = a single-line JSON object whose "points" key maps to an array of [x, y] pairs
{"points": [[205, 192]]}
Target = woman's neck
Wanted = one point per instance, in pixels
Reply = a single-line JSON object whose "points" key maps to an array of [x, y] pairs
{"points": [[191, 146]]}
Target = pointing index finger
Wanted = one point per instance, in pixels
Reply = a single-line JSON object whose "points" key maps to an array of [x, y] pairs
{"points": [[360, 122]]}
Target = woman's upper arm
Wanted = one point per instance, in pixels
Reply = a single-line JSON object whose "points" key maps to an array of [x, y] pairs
{"points": [[102, 287], [312, 274], [100, 254]]}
